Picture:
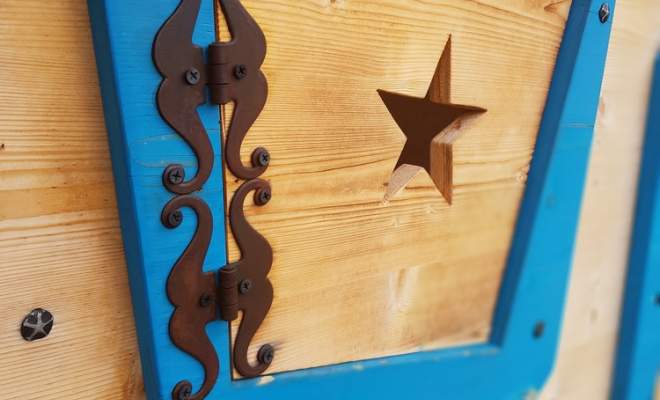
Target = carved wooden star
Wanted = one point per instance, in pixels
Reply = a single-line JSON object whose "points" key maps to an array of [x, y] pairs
{"points": [[431, 124]]}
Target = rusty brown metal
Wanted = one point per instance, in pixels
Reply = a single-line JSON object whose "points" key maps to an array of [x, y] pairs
{"points": [[254, 266], [248, 89], [186, 285], [233, 74], [228, 293], [174, 54], [188, 288]]}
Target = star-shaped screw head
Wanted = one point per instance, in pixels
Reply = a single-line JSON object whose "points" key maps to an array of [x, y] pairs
{"points": [[37, 325]]}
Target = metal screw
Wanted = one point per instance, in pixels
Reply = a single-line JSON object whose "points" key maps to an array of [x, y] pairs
{"points": [[539, 329], [185, 393], [266, 354], [263, 197], [261, 157], [240, 71], [175, 174], [37, 325], [193, 76], [206, 300], [245, 286], [604, 13], [174, 219]]}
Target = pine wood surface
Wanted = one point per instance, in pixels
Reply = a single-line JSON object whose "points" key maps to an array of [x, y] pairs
{"points": [[60, 237], [358, 278]]}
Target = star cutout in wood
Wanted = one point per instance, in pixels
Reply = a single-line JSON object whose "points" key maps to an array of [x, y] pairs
{"points": [[431, 124]]}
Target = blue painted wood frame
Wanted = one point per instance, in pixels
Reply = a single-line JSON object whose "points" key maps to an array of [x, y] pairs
{"points": [[638, 356], [516, 361]]}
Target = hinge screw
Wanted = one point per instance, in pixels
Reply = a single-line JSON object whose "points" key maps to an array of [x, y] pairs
{"points": [[245, 286], [604, 13], [261, 157], [174, 219], [175, 174], [37, 325], [206, 300], [193, 76], [266, 354], [263, 197], [185, 393], [240, 71]]}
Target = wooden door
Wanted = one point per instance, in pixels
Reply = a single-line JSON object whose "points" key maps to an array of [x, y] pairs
{"points": [[427, 160]]}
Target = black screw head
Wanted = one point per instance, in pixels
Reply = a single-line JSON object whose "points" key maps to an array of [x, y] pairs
{"points": [[206, 300], [174, 219], [240, 71], [261, 157], [266, 354], [182, 391], [539, 330], [245, 286], [604, 13], [185, 393], [262, 197], [37, 325], [657, 299], [193, 76], [175, 174]]}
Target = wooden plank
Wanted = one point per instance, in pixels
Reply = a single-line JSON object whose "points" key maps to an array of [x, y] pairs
{"points": [[59, 232], [585, 362], [413, 273]]}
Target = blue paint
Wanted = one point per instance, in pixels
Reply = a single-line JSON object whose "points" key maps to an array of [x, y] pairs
{"points": [[638, 357], [142, 146], [513, 365]]}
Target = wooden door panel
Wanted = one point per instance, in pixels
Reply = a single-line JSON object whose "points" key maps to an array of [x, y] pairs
{"points": [[464, 268], [414, 272]]}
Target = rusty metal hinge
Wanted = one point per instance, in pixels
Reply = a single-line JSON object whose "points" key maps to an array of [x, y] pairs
{"points": [[232, 73]]}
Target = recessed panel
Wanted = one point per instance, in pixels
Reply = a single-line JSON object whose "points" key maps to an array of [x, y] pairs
{"points": [[401, 134]]}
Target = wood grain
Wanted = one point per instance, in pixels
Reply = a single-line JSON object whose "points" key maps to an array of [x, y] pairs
{"points": [[59, 231], [355, 278], [586, 355], [61, 243]]}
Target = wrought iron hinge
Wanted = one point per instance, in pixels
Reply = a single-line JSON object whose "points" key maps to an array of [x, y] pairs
{"points": [[232, 73]]}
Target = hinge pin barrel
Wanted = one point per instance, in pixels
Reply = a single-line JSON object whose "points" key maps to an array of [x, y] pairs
{"points": [[228, 293], [220, 75]]}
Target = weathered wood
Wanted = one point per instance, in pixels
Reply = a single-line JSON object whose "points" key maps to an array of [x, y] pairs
{"points": [[413, 273], [59, 231]]}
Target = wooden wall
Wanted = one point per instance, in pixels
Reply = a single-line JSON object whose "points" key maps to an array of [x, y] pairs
{"points": [[60, 239], [61, 244]]}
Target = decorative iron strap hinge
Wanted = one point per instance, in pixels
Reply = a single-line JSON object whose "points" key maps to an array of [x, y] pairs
{"points": [[232, 73]]}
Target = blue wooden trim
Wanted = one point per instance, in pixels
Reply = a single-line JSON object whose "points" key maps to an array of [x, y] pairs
{"points": [[142, 146], [638, 356], [514, 364]]}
